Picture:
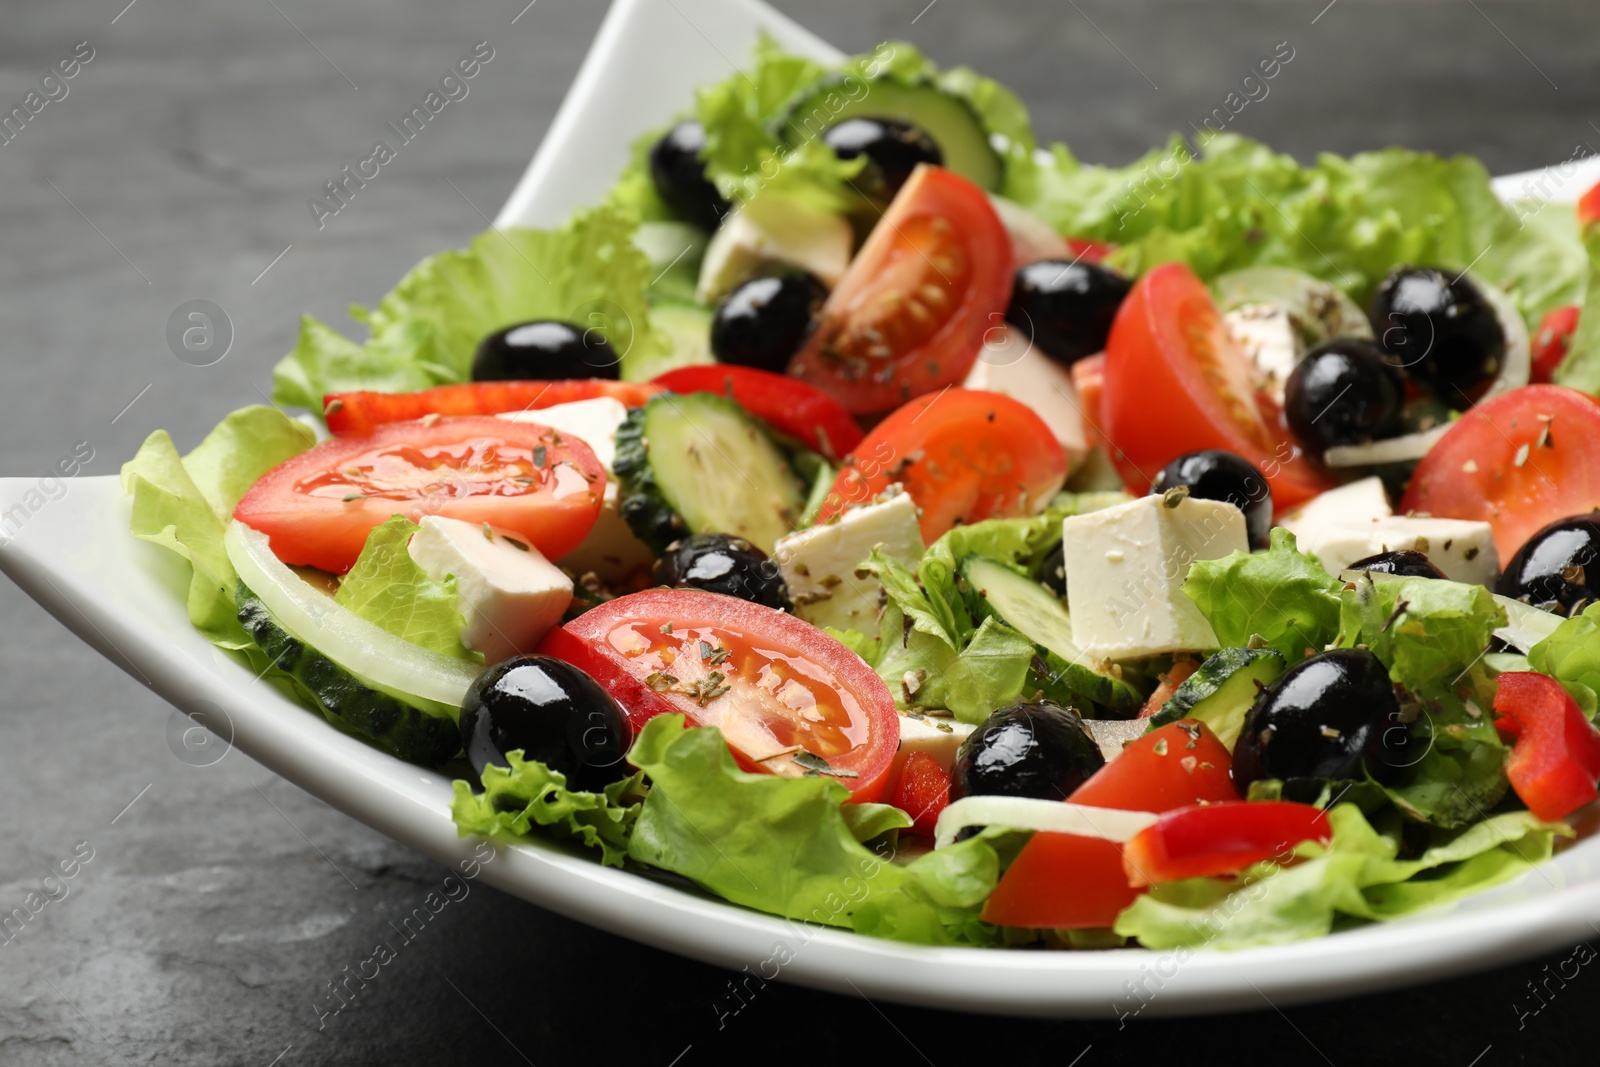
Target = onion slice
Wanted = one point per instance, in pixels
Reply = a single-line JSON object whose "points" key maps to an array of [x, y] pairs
{"points": [[1112, 734], [1514, 373], [1028, 813]]}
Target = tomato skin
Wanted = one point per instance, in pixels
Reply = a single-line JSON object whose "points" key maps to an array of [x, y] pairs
{"points": [[364, 411], [787, 404], [1089, 251], [1177, 382], [1472, 471], [754, 634], [1555, 761], [910, 313], [922, 792], [318, 513], [1066, 882], [1169, 682], [1589, 207], [1225, 838], [1551, 340], [963, 455]]}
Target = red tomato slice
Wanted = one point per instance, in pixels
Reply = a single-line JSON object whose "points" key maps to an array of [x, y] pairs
{"points": [[1089, 379], [1168, 685], [1225, 838], [1555, 762], [362, 412], [962, 454], [922, 792], [1176, 382], [1518, 461], [1089, 251], [1551, 339], [1589, 207], [777, 687], [1067, 882], [788, 405], [909, 315], [318, 507]]}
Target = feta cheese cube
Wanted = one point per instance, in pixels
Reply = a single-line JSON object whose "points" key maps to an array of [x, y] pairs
{"points": [[1462, 549], [593, 421], [774, 229], [510, 596], [819, 564], [1032, 238], [1356, 504], [1268, 335], [937, 736], [1125, 571], [1010, 365]]}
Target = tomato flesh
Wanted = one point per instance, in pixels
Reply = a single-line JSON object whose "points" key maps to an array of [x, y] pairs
{"points": [[1518, 461], [963, 455], [1223, 838], [1589, 207], [1176, 382], [363, 412], [318, 507], [1550, 341], [775, 686], [788, 405], [922, 792], [909, 315], [1555, 761]]}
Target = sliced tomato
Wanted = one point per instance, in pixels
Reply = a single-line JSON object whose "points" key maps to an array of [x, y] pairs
{"points": [[1225, 838], [1589, 207], [1167, 685], [962, 454], [787, 697], [1089, 379], [787, 404], [1089, 251], [1176, 381], [1555, 761], [362, 412], [1067, 882], [922, 792], [909, 315], [1518, 461], [1551, 339], [318, 507]]}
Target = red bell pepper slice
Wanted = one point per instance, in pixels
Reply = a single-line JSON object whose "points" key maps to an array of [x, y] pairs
{"points": [[1555, 761], [1212, 839], [364, 411], [787, 404]]}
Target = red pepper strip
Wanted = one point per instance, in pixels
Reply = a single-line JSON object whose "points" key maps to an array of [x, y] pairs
{"points": [[787, 404], [1211, 839], [1555, 762], [362, 412], [1551, 340]]}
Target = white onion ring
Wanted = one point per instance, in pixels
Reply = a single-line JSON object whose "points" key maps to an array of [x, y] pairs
{"points": [[1028, 813]]}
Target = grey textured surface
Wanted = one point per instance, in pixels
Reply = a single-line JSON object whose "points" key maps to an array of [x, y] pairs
{"points": [[217, 907]]}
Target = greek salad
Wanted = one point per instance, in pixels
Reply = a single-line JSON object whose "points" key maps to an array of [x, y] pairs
{"points": [[878, 520]]}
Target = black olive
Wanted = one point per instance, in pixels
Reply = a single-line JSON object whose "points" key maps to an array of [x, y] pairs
{"points": [[1213, 474], [1065, 307], [680, 176], [1407, 563], [1333, 717], [722, 563], [1439, 329], [1344, 392], [765, 321], [554, 713], [893, 149], [1027, 750], [544, 350], [1053, 571], [1558, 568]]}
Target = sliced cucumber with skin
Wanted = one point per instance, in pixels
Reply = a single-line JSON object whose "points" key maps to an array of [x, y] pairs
{"points": [[702, 464], [1036, 613], [1223, 690], [945, 117]]}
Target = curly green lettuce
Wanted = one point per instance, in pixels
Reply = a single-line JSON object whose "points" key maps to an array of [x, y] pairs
{"points": [[527, 794], [387, 588]]}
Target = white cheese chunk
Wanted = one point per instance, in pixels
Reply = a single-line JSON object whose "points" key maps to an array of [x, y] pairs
{"points": [[1125, 571], [1462, 549], [593, 421], [1267, 334], [1008, 364], [1032, 238], [774, 229], [819, 564], [1360, 502], [937, 736], [509, 596]]}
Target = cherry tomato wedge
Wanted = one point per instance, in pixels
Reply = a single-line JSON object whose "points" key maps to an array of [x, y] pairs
{"points": [[318, 507], [788, 405], [1518, 461], [1089, 251], [962, 454], [777, 687], [1176, 381], [922, 792], [1067, 882], [908, 316], [1212, 839], [362, 412], [1167, 685], [1555, 761], [1551, 339]]}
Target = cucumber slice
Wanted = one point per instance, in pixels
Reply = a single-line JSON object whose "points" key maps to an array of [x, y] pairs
{"points": [[688, 330], [1224, 689], [702, 464], [425, 735], [1035, 612], [952, 123]]}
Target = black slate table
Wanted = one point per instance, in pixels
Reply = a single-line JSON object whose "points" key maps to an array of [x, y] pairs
{"points": [[217, 903]]}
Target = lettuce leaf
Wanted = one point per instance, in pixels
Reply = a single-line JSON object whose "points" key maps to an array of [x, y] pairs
{"points": [[1571, 656], [1357, 877], [183, 503], [387, 588], [529, 794], [426, 330], [1581, 367], [1282, 595], [987, 671]]}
